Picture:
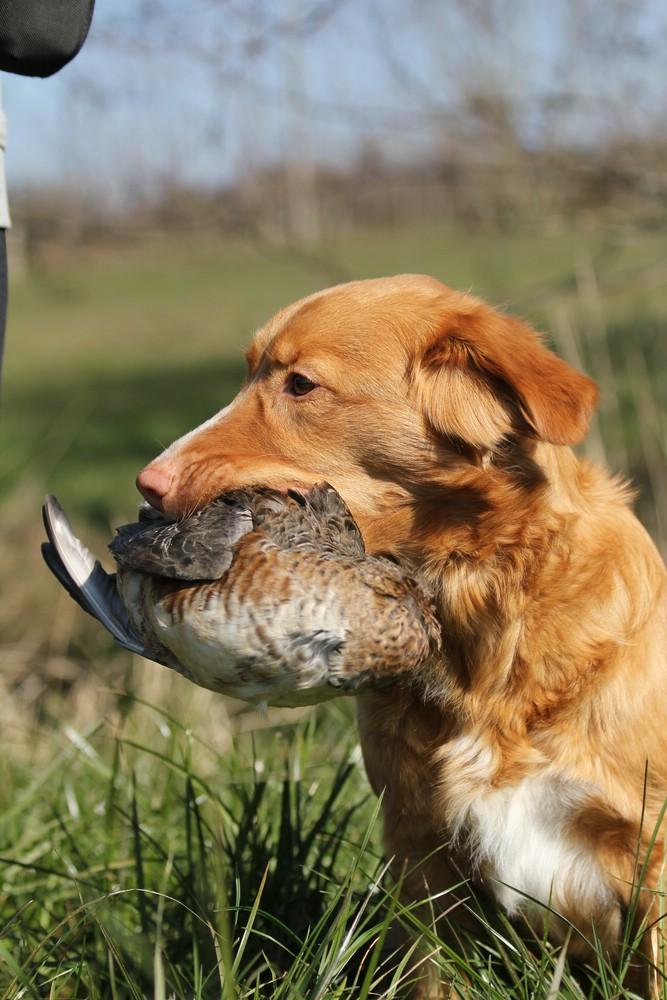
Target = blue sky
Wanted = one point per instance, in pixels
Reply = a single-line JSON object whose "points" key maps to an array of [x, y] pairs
{"points": [[205, 96]]}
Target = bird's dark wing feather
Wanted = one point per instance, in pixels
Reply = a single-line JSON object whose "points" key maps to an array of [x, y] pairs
{"points": [[199, 547], [84, 578]]}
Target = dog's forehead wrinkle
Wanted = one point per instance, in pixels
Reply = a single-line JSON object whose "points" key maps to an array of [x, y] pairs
{"points": [[399, 309], [388, 296]]}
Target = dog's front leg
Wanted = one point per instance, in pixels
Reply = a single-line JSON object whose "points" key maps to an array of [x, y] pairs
{"points": [[398, 735]]}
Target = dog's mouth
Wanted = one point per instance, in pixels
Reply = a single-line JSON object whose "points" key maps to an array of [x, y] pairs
{"points": [[148, 513]]}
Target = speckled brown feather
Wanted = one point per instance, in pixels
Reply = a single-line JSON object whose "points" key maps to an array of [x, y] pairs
{"points": [[403, 628]]}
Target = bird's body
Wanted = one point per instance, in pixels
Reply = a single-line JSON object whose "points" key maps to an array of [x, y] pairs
{"points": [[269, 597]]}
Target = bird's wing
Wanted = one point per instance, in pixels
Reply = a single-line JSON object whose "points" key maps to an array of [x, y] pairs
{"points": [[199, 547], [84, 579], [317, 518]]}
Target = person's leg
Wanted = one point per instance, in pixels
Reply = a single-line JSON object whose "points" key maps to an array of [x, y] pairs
{"points": [[3, 292]]}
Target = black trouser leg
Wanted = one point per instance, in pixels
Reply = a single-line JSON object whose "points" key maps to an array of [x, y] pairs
{"points": [[3, 292]]}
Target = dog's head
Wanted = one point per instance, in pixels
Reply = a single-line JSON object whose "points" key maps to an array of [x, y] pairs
{"points": [[402, 393]]}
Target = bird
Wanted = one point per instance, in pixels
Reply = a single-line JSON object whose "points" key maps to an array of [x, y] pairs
{"points": [[267, 596]]}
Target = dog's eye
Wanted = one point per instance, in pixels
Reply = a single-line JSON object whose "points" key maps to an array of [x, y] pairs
{"points": [[299, 385]]}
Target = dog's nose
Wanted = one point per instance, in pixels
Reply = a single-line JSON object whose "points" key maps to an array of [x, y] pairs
{"points": [[154, 482]]}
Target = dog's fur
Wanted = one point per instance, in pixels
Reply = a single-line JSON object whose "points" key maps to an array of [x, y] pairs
{"points": [[540, 741]]}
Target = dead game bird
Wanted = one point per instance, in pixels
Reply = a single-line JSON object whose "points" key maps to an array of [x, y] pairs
{"points": [[265, 596]]}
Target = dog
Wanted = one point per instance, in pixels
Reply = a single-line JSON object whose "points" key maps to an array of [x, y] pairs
{"points": [[534, 760]]}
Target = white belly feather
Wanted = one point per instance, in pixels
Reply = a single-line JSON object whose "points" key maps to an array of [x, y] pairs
{"points": [[281, 651]]}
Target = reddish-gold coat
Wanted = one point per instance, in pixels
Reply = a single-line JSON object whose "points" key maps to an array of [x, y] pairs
{"points": [[445, 426]]}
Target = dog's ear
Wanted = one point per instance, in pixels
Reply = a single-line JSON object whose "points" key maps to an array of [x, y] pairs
{"points": [[484, 372]]}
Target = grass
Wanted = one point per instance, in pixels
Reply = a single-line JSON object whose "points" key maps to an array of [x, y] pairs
{"points": [[120, 883], [166, 868], [156, 840]]}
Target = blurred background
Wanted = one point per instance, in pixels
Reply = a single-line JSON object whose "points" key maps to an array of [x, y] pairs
{"points": [[189, 173], [196, 167]]}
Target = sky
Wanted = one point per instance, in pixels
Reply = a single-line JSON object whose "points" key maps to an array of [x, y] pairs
{"points": [[206, 92]]}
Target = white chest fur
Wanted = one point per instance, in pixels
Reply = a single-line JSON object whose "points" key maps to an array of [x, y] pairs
{"points": [[520, 836]]}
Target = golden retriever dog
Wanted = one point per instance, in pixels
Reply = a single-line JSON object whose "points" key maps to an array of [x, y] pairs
{"points": [[533, 758]]}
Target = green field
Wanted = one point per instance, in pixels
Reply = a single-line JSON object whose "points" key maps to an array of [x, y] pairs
{"points": [[157, 840], [111, 357]]}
